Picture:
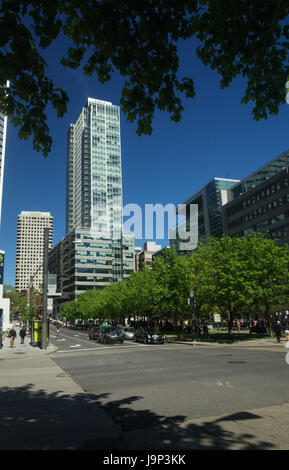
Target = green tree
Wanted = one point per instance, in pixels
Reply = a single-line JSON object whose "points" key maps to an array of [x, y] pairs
{"points": [[70, 310], [18, 302], [174, 274], [269, 268], [223, 279], [139, 39], [239, 275]]}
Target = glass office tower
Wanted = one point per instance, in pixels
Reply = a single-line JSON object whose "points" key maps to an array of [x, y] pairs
{"points": [[94, 179], [94, 183]]}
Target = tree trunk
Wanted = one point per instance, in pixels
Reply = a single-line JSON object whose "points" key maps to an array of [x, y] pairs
{"points": [[269, 318], [230, 325]]}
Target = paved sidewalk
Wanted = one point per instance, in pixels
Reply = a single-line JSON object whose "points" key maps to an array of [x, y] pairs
{"points": [[42, 408], [22, 349], [267, 343]]}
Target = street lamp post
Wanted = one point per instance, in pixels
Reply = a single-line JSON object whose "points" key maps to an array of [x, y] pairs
{"points": [[45, 289], [192, 307]]}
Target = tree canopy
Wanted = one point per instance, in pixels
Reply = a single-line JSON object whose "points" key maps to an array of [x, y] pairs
{"points": [[232, 276], [140, 40]]}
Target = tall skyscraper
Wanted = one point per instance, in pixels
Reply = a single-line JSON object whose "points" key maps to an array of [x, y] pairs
{"points": [[3, 129], [30, 248], [94, 251], [94, 182]]}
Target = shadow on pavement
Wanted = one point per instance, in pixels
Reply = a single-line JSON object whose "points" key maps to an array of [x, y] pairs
{"points": [[36, 420]]}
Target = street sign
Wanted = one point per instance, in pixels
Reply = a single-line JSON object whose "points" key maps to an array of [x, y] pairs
{"points": [[217, 317]]}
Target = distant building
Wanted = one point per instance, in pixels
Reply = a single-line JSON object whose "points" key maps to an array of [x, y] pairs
{"points": [[263, 207], [137, 251], [30, 248], [83, 261], [145, 257], [209, 200], [271, 168]]}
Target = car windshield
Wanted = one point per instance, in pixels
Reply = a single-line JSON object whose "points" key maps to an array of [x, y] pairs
{"points": [[153, 331], [111, 330], [129, 329]]}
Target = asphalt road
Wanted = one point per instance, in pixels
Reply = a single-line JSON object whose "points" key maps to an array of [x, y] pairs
{"points": [[141, 386]]}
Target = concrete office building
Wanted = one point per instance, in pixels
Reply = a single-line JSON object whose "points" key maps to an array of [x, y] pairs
{"points": [[30, 248], [83, 260]]}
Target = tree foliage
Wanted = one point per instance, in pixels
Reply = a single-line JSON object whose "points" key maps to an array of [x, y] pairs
{"points": [[140, 40], [233, 276]]}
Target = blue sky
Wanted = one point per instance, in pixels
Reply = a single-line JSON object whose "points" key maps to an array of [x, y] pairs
{"points": [[217, 136]]}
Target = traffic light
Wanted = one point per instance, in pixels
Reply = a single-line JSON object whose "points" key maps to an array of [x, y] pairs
{"points": [[39, 313]]}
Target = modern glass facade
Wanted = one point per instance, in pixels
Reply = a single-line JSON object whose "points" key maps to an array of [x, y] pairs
{"points": [[209, 200], [265, 172], [94, 251], [264, 208], [94, 181]]}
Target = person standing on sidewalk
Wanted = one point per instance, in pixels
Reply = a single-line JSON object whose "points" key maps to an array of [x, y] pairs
{"points": [[12, 335], [22, 334]]}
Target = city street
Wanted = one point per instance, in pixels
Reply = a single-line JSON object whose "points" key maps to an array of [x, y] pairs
{"points": [[162, 388]]}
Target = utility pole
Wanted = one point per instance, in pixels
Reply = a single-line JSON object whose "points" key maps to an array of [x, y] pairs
{"points": [[45, 289]]}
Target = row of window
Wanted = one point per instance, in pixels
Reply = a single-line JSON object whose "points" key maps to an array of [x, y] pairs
{"points": [[262, 225], [281, 201], [258, 196]]}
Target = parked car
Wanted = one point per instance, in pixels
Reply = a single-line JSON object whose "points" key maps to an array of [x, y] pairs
{"points": [[128, 332], [93, 332], [110, 334], [149, 335]]}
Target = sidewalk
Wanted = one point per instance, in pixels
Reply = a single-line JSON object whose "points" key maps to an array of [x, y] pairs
{"points": [[22, 349], [267, 343], [42, 408]]}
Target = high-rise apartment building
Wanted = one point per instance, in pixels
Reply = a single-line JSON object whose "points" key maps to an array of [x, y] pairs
{"points": [[30, 248], [94, 182], [94, 251]]}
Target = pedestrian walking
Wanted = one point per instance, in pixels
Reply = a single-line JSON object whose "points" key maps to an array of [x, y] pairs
{"points": [[22, 334], [278, 331], [205, 330], [239, 326], [12, 335]]}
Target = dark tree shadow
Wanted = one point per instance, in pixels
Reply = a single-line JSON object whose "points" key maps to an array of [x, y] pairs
{"points": [[36, 420]]}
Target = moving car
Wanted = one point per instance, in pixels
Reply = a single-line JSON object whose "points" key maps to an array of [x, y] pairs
{"points": [[128, 332], [93, 332], [110, 334], [149, 335]]}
